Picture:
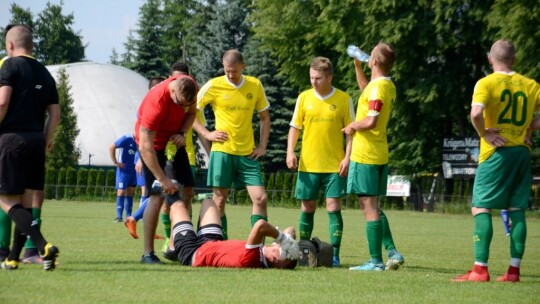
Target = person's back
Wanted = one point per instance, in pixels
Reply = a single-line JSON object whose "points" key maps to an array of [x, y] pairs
{"points": [[229, 253], [33, 90], [509, 100]]}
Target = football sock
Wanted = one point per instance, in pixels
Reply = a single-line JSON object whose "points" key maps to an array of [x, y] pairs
{"points": [[518, 233], [374, 237], [18, 243], [139, 213], [483, 232], [5, 230], [166, 220], [23, 219], [119, 206], [306, 225], [36, 214], [387, 240], [224, 227], [335, 229], [129, 205]]}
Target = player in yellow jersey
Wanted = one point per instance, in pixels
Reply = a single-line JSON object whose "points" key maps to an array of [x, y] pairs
{"points": [[368, 170], [320, 114], [234, 98], [502, 114]]}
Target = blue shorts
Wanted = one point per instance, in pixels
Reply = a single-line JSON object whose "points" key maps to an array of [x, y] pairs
{"points": [[125, 178]]}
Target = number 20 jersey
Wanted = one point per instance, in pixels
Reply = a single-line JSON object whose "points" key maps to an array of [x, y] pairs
{"points": [[509, 101]]}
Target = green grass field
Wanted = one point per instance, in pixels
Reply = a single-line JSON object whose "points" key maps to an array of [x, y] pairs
{"points": [[99, 263]]}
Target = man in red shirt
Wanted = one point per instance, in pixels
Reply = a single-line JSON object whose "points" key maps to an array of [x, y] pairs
{"points": [[166, 113], [206, 247]]}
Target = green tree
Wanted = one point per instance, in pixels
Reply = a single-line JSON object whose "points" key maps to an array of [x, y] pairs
{"points": [[149, 46], [228, 29], [19, 15], [57, 42], [65, 153]]}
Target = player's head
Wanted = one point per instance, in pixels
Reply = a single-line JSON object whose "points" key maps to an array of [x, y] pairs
{"points": [[272, 254], [385, 56], [180, 68], [184, 91], [233, 65], [154, 81], [502, 52], [320, 74], [18, 36]]}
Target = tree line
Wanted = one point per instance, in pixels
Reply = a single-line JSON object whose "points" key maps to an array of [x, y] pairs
{"points": [[441, 52]]}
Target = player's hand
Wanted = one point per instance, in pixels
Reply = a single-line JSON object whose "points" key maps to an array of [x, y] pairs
{"points": [[292, 161], [178, 140], [139, 167], [218, 136], [492, 137], [344, 167], [257, 153], [120, 165], [528, 138], [168, 186], [349, 130], [289, 247]]}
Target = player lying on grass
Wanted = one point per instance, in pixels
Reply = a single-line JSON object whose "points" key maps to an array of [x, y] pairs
{"points": [[206, 247]]}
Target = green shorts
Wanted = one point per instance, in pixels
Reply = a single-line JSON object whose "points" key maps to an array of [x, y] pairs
{"points": [[309, 184], [504, 180], [367, 180], [226, 170]]}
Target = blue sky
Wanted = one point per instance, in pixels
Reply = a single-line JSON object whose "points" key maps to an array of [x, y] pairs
{"points": [[103, 24]]}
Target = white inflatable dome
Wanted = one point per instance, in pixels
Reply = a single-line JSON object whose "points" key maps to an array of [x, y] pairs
{"points": [[105, 99]]}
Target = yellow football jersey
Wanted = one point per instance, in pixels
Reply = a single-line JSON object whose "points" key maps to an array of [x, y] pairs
{"points": [[509, 101], [170, 149], [233, 108], [321, 120], [371, 147]]}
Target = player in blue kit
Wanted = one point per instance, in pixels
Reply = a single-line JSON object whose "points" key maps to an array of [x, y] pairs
{"points": [[126, 177]]}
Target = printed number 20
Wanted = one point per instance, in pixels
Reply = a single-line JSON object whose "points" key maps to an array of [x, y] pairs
{"points": [[512, 103]]}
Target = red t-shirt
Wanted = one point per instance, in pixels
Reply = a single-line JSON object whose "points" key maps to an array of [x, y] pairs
{"points": [[230, 253], [159, 113]]}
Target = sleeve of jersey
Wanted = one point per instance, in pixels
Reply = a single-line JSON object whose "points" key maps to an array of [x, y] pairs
{"points": [[349, 115], [262, 103], [152, 116], [204, 96], [375, 103], [5, 73], [480, 94], [253, 256], [201, 117], [297, 120]]}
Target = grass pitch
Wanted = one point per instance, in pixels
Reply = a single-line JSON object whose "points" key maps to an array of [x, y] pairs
{"points": [[99, 263]]}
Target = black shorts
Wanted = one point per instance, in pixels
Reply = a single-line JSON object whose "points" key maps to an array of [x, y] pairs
{"points": [[149, 177], [186, 241], [181, 169], [22, 162]]}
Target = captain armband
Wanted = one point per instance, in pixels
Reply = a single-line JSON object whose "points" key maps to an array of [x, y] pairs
{"points": [[374, 107]]}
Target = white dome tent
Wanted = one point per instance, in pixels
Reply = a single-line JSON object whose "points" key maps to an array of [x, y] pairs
{"points": [[105, 99]]}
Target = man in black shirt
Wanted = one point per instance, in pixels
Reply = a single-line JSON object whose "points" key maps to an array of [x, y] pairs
{"points": [[27, 93]]}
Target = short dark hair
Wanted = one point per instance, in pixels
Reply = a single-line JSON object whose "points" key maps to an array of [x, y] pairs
{"points": [[181, 67], [154, 81], [187, 87]]}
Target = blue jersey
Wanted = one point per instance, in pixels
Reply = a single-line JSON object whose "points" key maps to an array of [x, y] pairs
{"points": [[127, 148]]}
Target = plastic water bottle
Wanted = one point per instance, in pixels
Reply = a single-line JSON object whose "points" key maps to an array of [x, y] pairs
{"points": [[355, 52]]}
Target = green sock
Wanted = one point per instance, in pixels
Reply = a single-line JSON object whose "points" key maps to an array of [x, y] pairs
{"points": [[387, 240], [5, 230], [166, 220], [256, 217], [483, 232], [335, 230], [518, 233], [224, 227], [36, 214], [306, 225], [374, 237]]}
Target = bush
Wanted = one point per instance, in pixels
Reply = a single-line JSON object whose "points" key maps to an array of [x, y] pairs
{"points": [[82, 182], [61, 183], [91, 182], [71, 183]]}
